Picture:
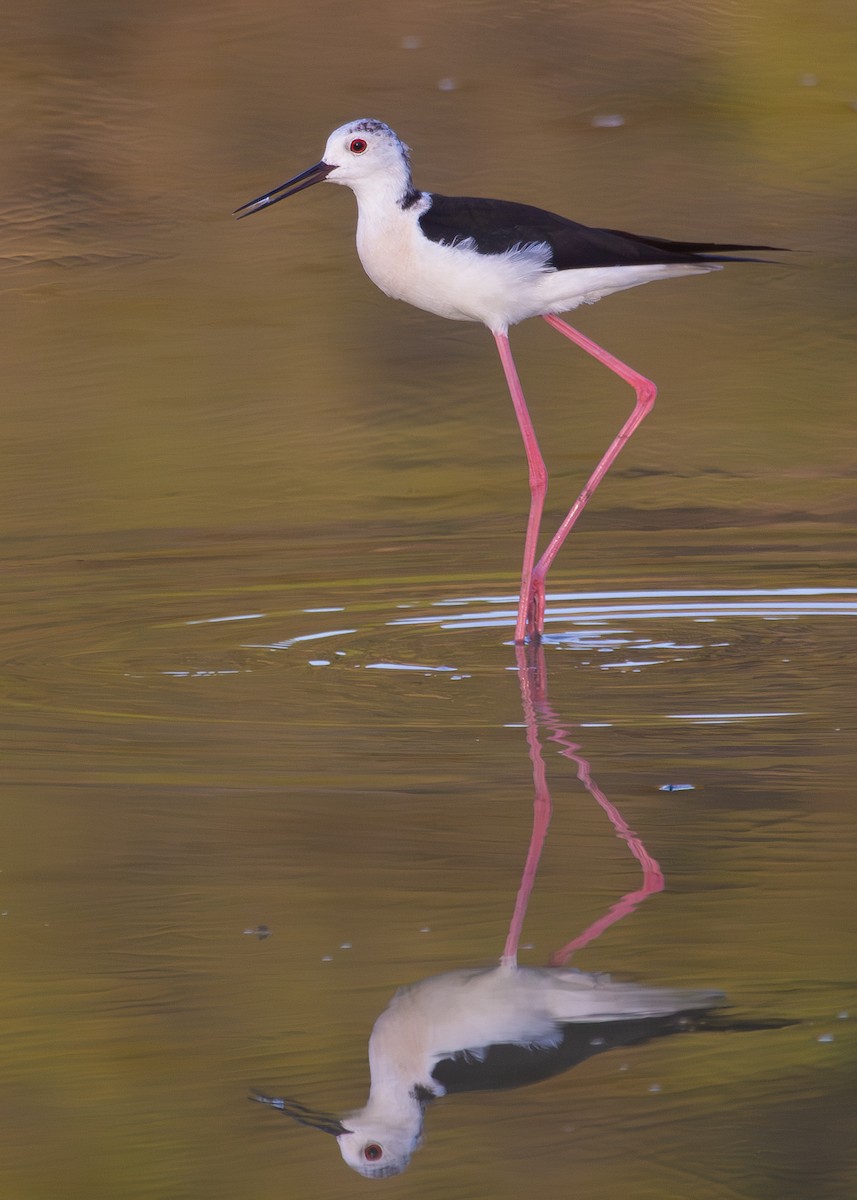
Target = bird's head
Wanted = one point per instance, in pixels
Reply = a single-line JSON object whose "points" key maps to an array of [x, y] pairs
{"points": [[377, 1149], [363, 153], [363, 149], [372, 1144]]}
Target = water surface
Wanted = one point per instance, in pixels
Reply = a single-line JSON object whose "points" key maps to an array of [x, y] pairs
{"points": [[261, 542]]}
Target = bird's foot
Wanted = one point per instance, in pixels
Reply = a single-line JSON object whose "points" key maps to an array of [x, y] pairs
{"points": [[536, 612], [530, 625]]}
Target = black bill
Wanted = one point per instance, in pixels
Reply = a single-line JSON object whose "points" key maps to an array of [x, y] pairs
{"points": [[306, 179], [299, 1112]]}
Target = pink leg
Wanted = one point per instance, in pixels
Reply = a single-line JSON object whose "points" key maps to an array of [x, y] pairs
{"points": [[646, 393], [530, 678], [538, 485]]}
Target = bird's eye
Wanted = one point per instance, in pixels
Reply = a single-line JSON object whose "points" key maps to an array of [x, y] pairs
{"points": [[358, 146], [372, 1152]]}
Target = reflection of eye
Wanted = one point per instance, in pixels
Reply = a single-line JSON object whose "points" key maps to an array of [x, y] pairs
{"points": [[372, 1152], [358, 146]]}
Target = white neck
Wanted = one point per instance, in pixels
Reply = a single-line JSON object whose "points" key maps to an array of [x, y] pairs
{"points": [[382, 191]]}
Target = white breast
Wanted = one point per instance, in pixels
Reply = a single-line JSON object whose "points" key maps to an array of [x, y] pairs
{"points": [[452, 281]]}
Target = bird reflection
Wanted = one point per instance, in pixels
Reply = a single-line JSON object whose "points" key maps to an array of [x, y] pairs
{"points": [[506, 1025]]}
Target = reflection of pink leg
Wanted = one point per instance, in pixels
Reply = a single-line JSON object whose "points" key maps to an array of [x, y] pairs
{"points": [[530, 680], [653, 880], [532, 677]]}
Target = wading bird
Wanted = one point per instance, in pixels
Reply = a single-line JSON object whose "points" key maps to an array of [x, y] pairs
{"points": [[482, 1028], [497, 262]]}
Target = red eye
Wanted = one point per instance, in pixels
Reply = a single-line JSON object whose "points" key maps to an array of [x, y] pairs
{"points": [[372, 1151], [358, 146]]}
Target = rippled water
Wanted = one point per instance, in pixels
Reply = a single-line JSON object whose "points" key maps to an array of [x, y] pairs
{"points": [[267, 754]]}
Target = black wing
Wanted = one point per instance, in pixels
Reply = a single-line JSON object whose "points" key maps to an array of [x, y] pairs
{"points": [[510, 1066], [499, 225]]}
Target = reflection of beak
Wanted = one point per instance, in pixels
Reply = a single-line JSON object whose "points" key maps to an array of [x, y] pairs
{"points": [[306, 179], [307, 1116]]}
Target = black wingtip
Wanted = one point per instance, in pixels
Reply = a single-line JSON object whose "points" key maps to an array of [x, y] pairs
{"points": [[702, 252]]}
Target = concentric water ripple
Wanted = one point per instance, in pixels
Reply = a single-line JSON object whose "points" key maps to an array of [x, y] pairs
{"points": [[692, 638], [602, 622], [175, 668]]}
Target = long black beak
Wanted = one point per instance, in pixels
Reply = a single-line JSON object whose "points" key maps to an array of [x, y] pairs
{"points": [[306, 179], [299, 1112]]}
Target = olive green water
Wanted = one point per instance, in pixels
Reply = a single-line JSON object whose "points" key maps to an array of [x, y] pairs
{"points": [[260, 549]]}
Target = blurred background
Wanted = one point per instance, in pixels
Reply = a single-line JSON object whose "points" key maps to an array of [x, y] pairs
{"points": [[261, 543]]}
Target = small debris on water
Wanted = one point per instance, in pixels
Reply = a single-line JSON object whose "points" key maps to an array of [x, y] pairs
{"points": [[608, 121], [677, 787], [261, 932], [824, 1037], [655, 1087]]}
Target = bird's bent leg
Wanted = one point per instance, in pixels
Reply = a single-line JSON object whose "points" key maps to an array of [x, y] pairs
{"points": [[646, 393], [538, 489]]}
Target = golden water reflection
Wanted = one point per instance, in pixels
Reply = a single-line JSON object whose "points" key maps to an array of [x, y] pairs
{"points": [[509, 1025]]}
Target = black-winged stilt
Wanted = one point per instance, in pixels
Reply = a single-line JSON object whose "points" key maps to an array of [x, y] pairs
{"points": [[497, 262], [447, 1033]]}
